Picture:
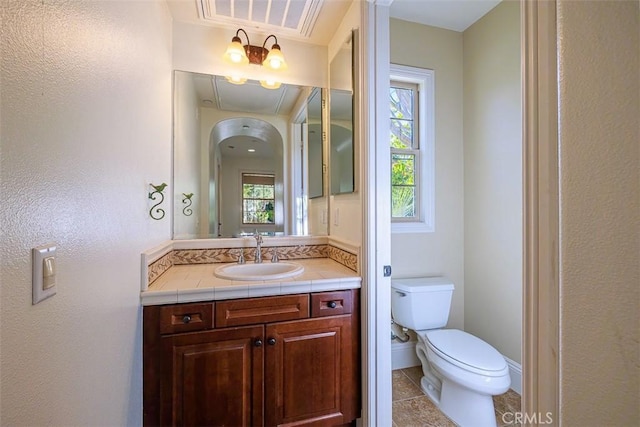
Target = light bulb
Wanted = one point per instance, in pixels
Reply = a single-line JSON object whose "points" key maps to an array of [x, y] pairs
{"points": [[275, 59], [275, 63], [235, 53]]}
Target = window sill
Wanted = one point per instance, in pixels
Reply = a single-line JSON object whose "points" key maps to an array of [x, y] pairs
{"points": [[411, 227]]}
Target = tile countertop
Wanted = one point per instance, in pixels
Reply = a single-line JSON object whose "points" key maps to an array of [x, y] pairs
{"points": [[196, 282]]}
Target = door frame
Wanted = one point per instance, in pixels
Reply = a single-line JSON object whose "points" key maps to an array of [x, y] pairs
{"points": [[541, 277], [540, 334]]}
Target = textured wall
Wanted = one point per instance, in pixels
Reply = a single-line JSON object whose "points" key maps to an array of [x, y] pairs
{"points": [[493, 180], [86, 126], [440, 252], [600, 212]]}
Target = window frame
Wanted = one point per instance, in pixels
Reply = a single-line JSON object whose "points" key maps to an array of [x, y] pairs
{"points": [[424, 222], [413, 151], [242, 198]]}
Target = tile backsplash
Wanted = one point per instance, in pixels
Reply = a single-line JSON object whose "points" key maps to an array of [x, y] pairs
{"points": [[168, 256]]}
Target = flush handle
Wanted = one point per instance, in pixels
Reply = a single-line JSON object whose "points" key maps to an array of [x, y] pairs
{"points": [[402, 294]]}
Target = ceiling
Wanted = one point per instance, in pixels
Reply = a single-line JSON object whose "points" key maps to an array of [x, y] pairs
{"points": [[316, 21], [240, 134], [311, 21], [217, 92], [455, 15]]}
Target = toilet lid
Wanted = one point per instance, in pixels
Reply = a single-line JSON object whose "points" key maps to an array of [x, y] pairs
{"points": [[466, 349]]}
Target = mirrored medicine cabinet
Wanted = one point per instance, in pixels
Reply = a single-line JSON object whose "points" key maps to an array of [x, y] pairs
{"points": [[341, 118]]}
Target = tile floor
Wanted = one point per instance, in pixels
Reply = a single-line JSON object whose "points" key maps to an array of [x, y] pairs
{"points": [[411, 408]]}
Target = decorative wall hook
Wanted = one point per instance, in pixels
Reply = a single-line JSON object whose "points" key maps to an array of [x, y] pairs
{"points": [[187, 201], [153, 195]]}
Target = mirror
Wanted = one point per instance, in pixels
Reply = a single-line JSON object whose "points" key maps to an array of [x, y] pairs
{"points": [[341, 120], [315, 150], [243, 160], [317, 208]]}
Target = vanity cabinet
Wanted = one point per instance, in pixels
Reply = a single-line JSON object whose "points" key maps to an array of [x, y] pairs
{"points": [[283, 360]]}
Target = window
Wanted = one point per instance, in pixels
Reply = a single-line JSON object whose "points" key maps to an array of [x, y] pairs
{"points": [[405, 153], [412, 149], [258, 198]]}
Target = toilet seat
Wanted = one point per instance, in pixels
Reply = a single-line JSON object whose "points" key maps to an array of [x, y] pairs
{"points": [[466, 352]]}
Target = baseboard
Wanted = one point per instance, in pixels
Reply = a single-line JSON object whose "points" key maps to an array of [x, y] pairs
{"points": [[515, 371], [403, 355]]}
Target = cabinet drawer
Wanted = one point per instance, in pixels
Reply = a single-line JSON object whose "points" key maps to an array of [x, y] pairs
{"points": [[261, 310], [331, 303], [186, 318]]}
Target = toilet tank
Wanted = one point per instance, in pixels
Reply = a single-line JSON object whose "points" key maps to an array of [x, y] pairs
{"points": [[421, 303]]}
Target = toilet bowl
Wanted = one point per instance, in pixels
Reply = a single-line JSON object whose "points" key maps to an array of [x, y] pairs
{"points": [[461, 372]]}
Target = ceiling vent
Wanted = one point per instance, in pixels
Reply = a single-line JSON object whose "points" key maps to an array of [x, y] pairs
{"points": [[290, 18]]}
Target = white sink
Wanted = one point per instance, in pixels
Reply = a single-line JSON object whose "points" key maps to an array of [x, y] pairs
{"points": [[263, 271]]}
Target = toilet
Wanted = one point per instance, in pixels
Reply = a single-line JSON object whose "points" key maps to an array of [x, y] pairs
{"points": [[461, 372]]}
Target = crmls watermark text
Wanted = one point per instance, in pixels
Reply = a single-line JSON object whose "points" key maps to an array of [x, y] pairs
{"points": [[526, 418]]}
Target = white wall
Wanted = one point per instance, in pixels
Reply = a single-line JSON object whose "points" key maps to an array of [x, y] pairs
{"points": [[599, 93], [493, 180], [186, 129], [440, 252], [86, 126]]}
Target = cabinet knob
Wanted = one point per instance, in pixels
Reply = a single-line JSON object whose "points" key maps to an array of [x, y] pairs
{"points": [[271, 341], [258, 343], [186, 318], [331, 304]]}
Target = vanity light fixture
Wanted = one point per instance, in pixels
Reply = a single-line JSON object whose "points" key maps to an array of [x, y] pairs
{"points": [[239, 54]]}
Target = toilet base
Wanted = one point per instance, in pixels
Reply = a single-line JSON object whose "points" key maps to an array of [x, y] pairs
{"points": [[464, 407]]}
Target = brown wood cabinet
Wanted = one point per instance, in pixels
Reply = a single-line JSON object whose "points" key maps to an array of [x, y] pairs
{"points": [[270, 361]]}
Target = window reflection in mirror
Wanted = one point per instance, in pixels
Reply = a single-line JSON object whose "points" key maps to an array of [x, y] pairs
{"points": [[225, 133], [341, 120]]}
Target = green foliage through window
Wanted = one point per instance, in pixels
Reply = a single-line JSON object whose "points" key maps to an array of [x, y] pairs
{"points": [[403, 185], [258, 199]]}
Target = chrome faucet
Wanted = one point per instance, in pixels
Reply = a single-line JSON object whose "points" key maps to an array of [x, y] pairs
{"points": [[258, 257]]}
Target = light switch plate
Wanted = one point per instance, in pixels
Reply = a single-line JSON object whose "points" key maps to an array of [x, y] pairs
{"points": [[39, 256]]}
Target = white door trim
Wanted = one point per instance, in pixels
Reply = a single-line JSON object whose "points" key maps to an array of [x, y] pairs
{"points": [[541, 296], [376, 187]]}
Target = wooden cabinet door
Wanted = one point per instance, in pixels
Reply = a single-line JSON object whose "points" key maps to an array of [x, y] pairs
{"points": [[309, 377], [213, 378]]}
